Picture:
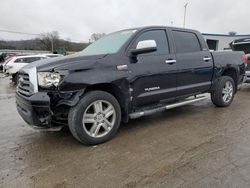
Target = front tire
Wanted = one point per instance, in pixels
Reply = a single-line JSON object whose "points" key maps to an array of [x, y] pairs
{"points": [[96, 118], [224, 91]]}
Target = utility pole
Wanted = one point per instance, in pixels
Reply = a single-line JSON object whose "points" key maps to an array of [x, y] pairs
{"points": [[185, 12]]}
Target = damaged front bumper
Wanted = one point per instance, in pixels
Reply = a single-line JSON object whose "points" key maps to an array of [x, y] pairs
{"points": [[42, 112], [35, 110]]}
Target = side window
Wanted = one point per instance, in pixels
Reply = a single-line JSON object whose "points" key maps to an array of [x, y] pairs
{"points": [[18, 61], [186, 42], [26, 60], [21, 60], [35, 59], [31, 59], [160, 38]]}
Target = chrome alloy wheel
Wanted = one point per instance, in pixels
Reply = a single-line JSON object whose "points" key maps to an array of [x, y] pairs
{"points": [[99, 118], [227, 92]]}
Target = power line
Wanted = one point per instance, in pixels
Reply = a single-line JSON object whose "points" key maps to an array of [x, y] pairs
{"points": [[18, 32], [32, 34]]}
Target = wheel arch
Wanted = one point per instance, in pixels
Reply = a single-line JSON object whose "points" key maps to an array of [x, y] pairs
{"points": [[116, 92], [233, 73]]}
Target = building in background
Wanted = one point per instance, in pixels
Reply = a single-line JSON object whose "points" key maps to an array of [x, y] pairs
{"points": [[222, 41]]}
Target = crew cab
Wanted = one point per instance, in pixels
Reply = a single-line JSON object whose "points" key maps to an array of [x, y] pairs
{"points": [[125, 75]]}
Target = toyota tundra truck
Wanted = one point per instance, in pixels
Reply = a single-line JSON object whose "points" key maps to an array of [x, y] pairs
{"points": [[126, 75]]}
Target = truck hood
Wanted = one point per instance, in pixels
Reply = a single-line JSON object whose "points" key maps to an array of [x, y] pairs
{"points": [[71, 62]]}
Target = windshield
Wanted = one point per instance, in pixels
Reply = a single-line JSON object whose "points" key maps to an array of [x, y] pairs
{"points": [[109, 44]]}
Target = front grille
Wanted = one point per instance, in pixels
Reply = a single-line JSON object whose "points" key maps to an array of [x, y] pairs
{"points": [[24, 86], [27, 81]]}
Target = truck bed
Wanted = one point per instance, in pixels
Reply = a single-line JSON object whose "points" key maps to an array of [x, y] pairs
{"points": [[227, 57]]}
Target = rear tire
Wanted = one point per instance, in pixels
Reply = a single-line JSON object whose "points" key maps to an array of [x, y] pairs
{"points": [[95, 119], [223, 94]]}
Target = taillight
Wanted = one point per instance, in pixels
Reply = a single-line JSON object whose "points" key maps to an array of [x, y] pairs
{"points": [[244, 58]]}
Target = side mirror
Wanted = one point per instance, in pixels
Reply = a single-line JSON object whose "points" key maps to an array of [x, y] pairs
{"points": [[144, 46]]}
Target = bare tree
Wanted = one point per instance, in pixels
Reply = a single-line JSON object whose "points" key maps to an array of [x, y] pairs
{"points": [[67, 44], [96, 36], [50, 40]]}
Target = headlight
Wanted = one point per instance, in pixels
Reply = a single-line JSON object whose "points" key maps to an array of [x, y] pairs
{"points": [[48, 79]]}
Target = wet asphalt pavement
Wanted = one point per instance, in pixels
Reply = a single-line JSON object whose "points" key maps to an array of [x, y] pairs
{"points": [[193, 146]]}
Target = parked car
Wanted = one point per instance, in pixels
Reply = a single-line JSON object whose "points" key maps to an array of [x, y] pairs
{"points": [[126, 75], [10, 56], [248, 68], [4, 58], [7, 59], [243, 45], [14, 64]]}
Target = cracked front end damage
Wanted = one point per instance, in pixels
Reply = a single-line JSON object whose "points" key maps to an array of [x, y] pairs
{"points": [[47, 110]]}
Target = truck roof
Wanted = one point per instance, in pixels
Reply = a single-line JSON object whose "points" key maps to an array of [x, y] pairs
{"points": [[162, 27]]}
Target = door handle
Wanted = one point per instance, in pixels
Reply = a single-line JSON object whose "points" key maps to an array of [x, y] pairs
{"points": [[207, 58], [170, 61]]}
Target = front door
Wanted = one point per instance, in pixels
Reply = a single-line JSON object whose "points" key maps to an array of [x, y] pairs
{"points": [[153, 75]]}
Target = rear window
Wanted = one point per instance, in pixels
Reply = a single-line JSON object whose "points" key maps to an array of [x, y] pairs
{"points": [[186, 42]]}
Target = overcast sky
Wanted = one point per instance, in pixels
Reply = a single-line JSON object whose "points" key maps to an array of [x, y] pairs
{"points": [[78, 19]]}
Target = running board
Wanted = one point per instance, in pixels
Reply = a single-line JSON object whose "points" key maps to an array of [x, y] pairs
{"points": [[135, 115]]}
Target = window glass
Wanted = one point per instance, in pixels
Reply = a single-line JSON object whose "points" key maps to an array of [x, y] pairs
{"points": [[18, 60], [52, 56], [186, 42], [28, 59], [36, 59], [160, 38], [108, 44]]}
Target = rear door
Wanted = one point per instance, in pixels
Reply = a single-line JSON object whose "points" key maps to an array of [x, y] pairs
{"points": [[194, 63], [152, 75]]}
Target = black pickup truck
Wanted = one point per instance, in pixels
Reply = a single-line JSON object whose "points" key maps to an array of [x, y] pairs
{"points": [[125, 75]]}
